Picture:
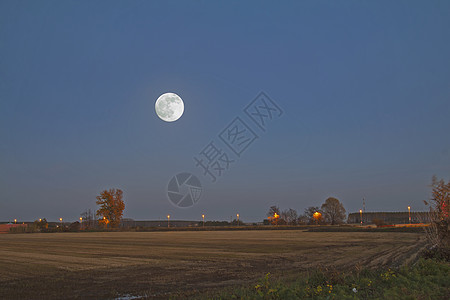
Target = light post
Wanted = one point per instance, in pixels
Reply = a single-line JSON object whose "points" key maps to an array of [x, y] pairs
{"points": [[409, 214], [203, 217], [15, 221], [360, 213], [168, 221], [81, 223], [60, 220], [237, 215], [40, 220]]}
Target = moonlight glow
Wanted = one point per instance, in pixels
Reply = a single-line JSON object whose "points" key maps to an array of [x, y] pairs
{"points": [[169, 107]]}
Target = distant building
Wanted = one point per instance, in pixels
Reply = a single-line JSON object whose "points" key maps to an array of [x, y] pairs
{"points": [[389, 217], [4, 228], [129, 223]]}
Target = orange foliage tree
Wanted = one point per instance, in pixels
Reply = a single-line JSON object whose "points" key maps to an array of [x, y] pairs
{"points": [[438, 232], [111, 207]]}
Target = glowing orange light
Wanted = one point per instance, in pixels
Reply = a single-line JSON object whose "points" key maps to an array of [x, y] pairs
{"points": [[274, 219], [105, 220]]}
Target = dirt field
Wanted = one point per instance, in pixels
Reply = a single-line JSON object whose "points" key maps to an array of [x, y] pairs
{"points": [[163, 264]]}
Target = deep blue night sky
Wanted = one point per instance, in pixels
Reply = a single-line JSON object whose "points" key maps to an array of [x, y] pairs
{"points": [[364, 87]]}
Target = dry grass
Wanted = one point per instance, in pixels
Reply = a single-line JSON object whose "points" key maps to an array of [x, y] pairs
{"points": [[160, 264]]}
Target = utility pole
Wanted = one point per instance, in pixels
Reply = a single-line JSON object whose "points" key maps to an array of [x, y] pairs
{"points": [[364, 207], [409, 214]]}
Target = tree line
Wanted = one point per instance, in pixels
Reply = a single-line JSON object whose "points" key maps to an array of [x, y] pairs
{"points": [[332, 212]]}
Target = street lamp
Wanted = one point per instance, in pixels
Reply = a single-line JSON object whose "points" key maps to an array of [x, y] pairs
{"points": [[360, 213], [203, 217], [15, 221], [409, 214], [317, 216], [168, 221], [81, 222], [40, 220], [237, 215], [276, 216]]}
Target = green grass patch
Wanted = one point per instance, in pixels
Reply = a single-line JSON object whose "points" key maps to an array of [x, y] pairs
{"points": [[426, 279], [346, 228]]}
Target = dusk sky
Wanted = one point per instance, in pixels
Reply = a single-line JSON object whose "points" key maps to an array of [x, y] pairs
{"points": [[363, 87]]}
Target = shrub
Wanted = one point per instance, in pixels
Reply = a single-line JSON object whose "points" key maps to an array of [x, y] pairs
{"points": [[427, 279], [438, 233], [378, 222]]}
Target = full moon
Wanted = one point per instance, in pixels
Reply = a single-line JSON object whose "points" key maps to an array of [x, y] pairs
{"points": [[169, 107]]}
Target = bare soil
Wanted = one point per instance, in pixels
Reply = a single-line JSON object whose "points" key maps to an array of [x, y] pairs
{"points": [[156, 265]]}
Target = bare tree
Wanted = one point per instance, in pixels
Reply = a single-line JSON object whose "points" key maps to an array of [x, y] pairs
{"points": [[274, 215], [303, 220], [333, 211], [290, 216], [309, 214], [273, 210], [88, 218]]}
